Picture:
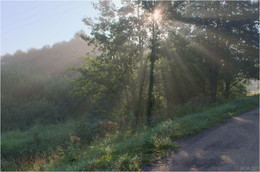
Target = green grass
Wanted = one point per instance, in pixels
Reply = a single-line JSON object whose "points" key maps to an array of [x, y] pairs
{"points": [[125, 150], [16, 144]]}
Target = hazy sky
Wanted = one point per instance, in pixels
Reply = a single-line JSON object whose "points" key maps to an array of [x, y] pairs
{"points": [[30, 24]]}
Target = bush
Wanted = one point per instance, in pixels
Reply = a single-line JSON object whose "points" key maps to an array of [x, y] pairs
{"points": [[90, 129], [23, 115]]}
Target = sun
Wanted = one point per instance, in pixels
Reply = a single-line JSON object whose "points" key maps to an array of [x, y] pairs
{"points": [[157, 15]]}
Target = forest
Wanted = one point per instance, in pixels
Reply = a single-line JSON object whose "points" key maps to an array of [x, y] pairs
{"points": [[149, 73]]}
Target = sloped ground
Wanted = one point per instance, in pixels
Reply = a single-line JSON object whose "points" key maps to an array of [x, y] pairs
{"points": [[233, 145]]}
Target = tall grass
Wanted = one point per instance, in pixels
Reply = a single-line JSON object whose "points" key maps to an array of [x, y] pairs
{"points": [[125, 150], [39, 139]]}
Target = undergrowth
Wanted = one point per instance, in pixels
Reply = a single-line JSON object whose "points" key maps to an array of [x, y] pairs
{"points": [[118, 150]]}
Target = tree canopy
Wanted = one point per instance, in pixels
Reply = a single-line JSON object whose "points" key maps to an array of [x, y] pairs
{"points": [[191, 49]]}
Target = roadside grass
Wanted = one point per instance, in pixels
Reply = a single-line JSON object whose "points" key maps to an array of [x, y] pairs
{"points": [[120, 151], [20, 145], [192, 124]]}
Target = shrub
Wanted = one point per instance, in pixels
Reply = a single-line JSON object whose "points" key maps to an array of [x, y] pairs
{"points": [[126, 163], [88, 130]]}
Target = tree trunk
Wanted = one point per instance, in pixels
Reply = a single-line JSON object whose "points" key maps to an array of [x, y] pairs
{"points": [[213, 79], [142, 71], [227, 90], [166, 89], [127, 100], [214, 66], [214, 71], [150, 90], [150, 93], [140, 94]]}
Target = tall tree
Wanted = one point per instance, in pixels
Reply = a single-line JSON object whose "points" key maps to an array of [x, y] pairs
{"points": [[119, 37], [150, 6]]}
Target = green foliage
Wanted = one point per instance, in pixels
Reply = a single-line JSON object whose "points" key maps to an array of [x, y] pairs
{"points": [[29, 98], [101, 125], [90, 129], [72, 151], [127, 150], [186, 61], [125, 163], [18, 143], [28, 114]]}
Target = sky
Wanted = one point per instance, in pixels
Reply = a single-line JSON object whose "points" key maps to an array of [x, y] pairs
{"points": [[34, 24]]}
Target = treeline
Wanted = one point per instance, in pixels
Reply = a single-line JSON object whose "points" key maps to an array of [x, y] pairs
{"points": [[36, 85], [156, 55], [144, 60]]}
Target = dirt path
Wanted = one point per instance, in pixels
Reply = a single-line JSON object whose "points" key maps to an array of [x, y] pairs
{"points": [[233, 145]]}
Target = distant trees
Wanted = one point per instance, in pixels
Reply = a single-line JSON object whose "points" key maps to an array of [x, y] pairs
{"points": [[36, 85]]}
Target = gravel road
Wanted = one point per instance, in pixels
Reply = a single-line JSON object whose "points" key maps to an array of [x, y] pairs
{"points": [[232, 145]]}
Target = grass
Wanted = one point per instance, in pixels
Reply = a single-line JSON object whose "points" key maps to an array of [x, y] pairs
{"points": [[121, 151], [37, 140]]}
